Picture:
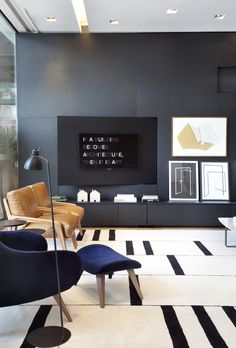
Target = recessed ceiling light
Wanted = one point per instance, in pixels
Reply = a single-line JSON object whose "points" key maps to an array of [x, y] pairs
{"points": [[114, 21], [50, 19], [219, 16], [172, 11]]}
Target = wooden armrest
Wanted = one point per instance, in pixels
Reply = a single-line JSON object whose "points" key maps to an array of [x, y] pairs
{"points": [[62, 203], [33, 219], [55, 210], [44, 209]]}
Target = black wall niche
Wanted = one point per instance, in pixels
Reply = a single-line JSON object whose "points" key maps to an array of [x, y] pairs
{"points": [[146, 75], [226, 79], [138, 152]]}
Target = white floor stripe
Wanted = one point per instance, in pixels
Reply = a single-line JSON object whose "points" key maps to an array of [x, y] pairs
{"points": [[117, 327], [216, 265], [187, 290], [166, 247], [175, 248], [218, 248], [216, 234], [15, 321]]}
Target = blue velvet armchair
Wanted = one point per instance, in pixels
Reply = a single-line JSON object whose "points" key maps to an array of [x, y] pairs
{"points": [[27, 269]]}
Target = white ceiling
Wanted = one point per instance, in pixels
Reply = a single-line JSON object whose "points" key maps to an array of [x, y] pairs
{"points": [[133, 15]]}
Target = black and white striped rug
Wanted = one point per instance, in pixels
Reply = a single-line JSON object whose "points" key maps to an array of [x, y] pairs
{"points": [[188, 279]]}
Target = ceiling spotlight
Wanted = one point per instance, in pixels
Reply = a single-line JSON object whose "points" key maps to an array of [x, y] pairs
{"points": [[172, 11], [114, 21], [219, 16], [50, 19]]}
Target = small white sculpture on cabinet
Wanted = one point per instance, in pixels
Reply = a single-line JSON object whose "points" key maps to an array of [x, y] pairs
{"points": [[82, 196], [95, 196]]}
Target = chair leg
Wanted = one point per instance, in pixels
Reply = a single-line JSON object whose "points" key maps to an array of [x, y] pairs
{"points": [[61, 238], [74, 240], [135, 282], [101, 289], [63, 242], [110, 275], [80, 229], [63, 307]]}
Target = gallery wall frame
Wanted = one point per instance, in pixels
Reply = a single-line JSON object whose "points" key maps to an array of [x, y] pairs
{"points": [[183, 180], [199, 136], [215, 181]]}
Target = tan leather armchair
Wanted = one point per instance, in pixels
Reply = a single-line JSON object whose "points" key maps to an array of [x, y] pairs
{"points": [[43, 199], [22, 204]]}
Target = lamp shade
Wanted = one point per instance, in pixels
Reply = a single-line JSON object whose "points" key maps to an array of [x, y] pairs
{"points": [[35, 161]]}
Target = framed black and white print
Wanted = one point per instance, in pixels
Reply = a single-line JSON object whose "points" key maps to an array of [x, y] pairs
{"points": [[183, 180], [214, 181]]}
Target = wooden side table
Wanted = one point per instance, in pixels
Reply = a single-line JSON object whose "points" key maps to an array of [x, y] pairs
{"points": [[12, 224]]}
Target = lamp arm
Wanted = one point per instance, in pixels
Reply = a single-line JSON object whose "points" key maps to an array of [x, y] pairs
{"points": [[54, 238]]}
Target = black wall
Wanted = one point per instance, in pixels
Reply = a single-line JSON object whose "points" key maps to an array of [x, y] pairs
{"points": [[163, 75]]}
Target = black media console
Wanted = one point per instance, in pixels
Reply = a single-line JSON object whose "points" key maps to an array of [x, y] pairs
{"points": [[158, 214]]}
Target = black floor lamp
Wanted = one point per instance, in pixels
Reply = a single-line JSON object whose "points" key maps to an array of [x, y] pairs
{"points": [[47, 336]]}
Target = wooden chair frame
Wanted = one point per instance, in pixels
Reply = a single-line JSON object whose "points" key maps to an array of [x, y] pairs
{"points": [[29, 219]]}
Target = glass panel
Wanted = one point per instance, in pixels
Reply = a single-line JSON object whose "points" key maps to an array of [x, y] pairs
{"points": [[8, 118]]}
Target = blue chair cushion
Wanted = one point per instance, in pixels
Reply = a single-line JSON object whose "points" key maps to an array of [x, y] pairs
{"points": [[99, 258], [25, 240]]}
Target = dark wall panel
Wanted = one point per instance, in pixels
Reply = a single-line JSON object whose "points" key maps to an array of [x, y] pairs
{"points": [[40, 132], [161, 75]]}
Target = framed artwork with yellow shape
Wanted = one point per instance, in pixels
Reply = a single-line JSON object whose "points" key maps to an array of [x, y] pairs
{"points": [[199, 136]]}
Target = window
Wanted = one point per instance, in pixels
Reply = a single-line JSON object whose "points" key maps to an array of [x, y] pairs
{"points": [[8, 118]]}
